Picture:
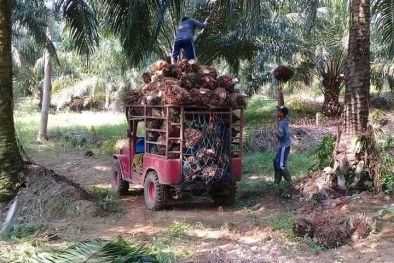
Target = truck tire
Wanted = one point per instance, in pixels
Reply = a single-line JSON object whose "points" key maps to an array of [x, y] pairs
{"points": [[227, 199], [118, 185], [154, 192]]}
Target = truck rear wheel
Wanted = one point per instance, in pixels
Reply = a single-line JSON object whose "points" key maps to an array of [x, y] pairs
{"points": [[154, 192], [225, 199], [119, 185]]}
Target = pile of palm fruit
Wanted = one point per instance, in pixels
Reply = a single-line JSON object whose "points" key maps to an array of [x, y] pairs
{"points": [[330, 234], [186, 83]]}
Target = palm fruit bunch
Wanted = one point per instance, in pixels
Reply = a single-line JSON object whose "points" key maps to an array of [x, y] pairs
{"points": [[133, 97], [156, 68], [205, 96], [174, 147], [236, 100], [161, 149], [211, 172], [189, 66], [283, 73], [302, 227], [195, 96], [222, 96], [330, 233], [208, 71], [329, 236], [205, 156], [173, 131], [172, 71], [147, 77], [175, 95], [360, 226], [223, 160], [191, 168], [208, 82], [155, 124], [227, 82], [190, 81], [192, 137], [189, 175]]}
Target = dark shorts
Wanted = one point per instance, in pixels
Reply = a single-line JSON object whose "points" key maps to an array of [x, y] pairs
{"points": [[281, 158], [188, 48]]}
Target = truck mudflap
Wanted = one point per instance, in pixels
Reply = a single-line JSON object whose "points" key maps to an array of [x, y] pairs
{"points": [[123, 163]]}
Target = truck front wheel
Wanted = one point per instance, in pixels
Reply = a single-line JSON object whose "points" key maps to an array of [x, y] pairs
{"points": [[119, 185], [154, 192]]}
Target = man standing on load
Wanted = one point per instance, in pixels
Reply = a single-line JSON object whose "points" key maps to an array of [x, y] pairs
{"points": [[184, 38], [283, 135]]}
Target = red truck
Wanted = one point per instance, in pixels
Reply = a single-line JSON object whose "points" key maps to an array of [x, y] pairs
{"points": [[184, 149]]}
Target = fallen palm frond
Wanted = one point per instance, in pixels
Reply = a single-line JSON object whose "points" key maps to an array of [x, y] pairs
{"points": [[99, 251]]}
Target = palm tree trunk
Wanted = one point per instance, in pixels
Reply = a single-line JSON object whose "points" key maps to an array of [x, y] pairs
{"points": [[10, 159], [348, 155], [358, 69], [46, 91]]}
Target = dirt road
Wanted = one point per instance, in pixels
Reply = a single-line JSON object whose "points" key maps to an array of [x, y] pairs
{"points": [[201, 232]]}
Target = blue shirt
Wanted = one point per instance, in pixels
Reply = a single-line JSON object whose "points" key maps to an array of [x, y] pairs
{"points": [[186, 28], [284, 133]]}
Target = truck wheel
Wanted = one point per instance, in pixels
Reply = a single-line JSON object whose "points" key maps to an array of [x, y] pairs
{"points": [[119, 185], [154, 192], [226, 200]]}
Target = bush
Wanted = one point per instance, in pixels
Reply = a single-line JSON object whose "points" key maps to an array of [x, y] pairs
{"points": [[388, 166], [300, 108], [324, 153], [97, 101], [108, 200], [61, 83]]}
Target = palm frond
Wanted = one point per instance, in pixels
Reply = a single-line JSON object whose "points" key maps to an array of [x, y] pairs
{"points": [[82, 24], [383, 23], [98, 251], [30, 20]]}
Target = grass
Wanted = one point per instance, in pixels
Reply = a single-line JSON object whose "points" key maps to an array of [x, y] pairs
{"points": [[258, 173], [178, 228], [260, 112], [282, 222], [175, 243], [96, 131], [315, 247], [108, 200]]}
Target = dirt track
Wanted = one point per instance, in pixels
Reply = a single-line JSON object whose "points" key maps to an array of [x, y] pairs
{"points": [[228, 235]]}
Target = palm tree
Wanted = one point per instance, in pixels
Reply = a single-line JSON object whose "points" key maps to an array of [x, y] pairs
{"points": [[38, 17], [83, 29], [354, 145], [147, 28], [330, 31], [10, 159], [332, 69], [382, 46]]}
